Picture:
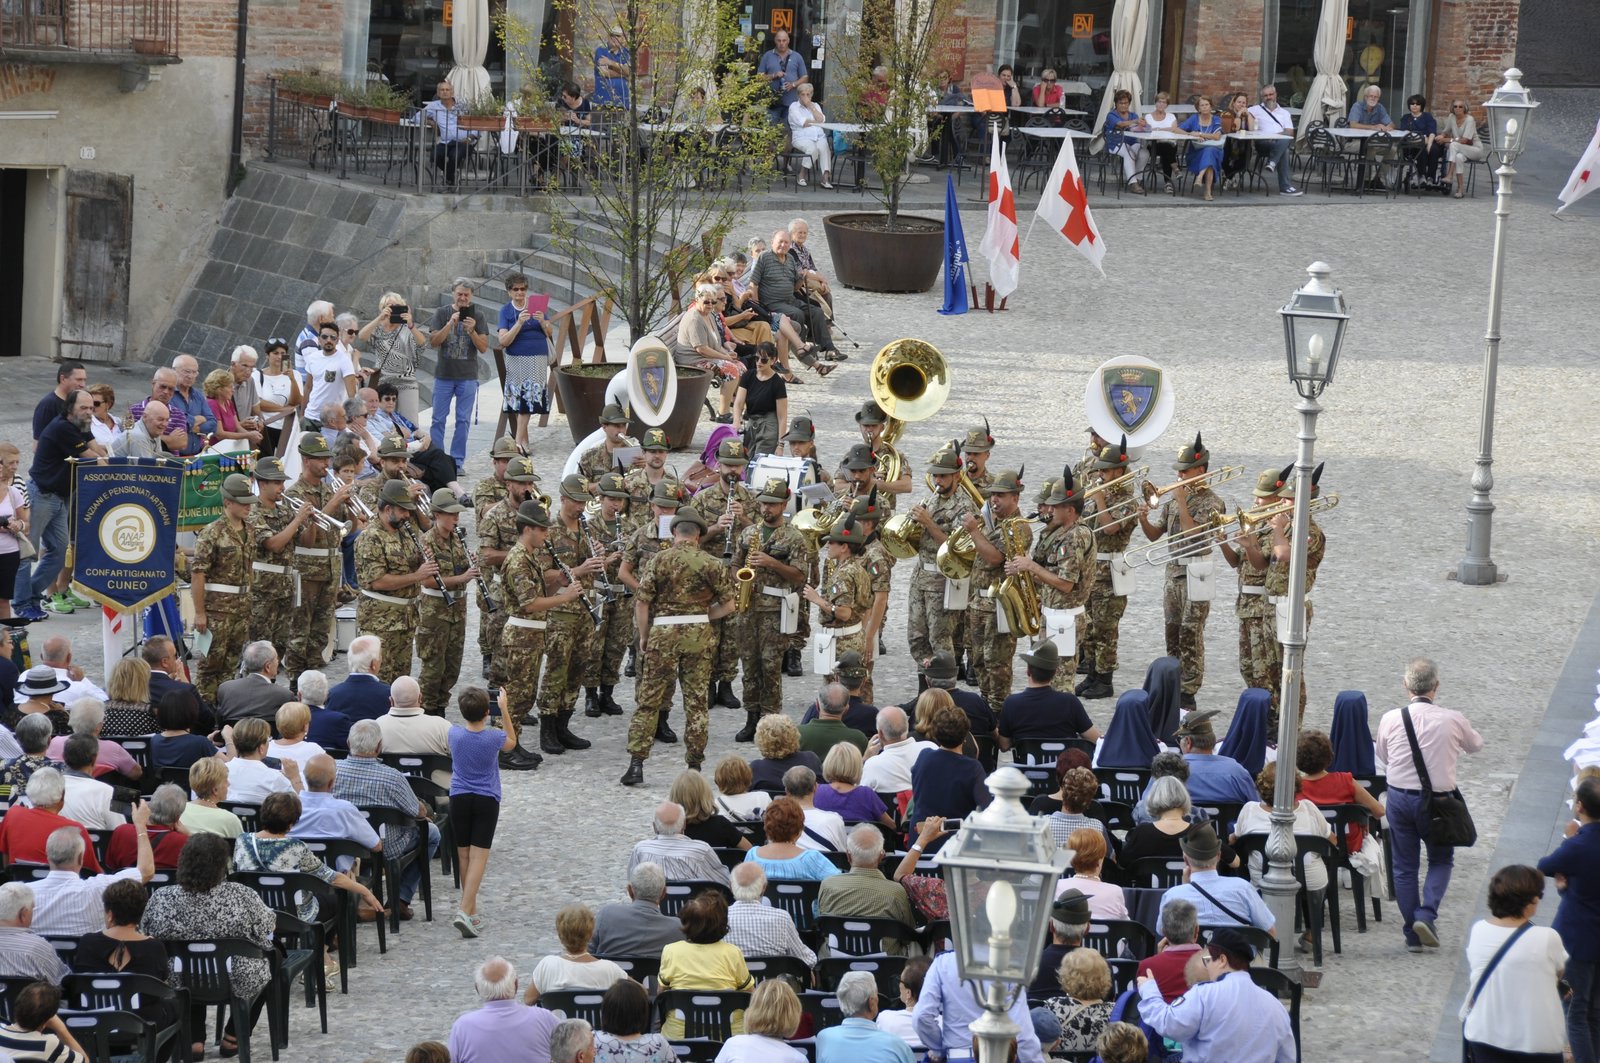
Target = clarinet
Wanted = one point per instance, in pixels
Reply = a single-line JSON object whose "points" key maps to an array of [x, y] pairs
{"points": [[427, 555], [490, 605], [727, 540], [608, 594], [588, 602]]}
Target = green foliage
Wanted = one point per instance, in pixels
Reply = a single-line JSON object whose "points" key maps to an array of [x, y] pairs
{"points": [[377, 94], [534, 97], [310, 82], [488, 106]]}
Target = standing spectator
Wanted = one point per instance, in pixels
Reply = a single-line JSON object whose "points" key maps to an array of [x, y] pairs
{"points": [[761, 404], [1576, 867], [475, 750], [246, 399], [201, 421], [612, 63], [106, 427], [504, 1030], [1513, 1011], [525, 335], [394, 340], [14, 514], [450, 151], [70, 377], [624, 1033], [785, 72], [226, 419], [320, 312], [36, 1031], [459, 335], [1443, 735], [331, 374], [278, 394], [1227, 1018], [64, 440]]}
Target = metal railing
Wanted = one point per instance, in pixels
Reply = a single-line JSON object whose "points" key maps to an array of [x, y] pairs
{"points": [[89, 28]]}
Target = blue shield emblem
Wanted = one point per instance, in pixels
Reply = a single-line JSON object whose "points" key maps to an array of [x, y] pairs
{"points": [[1131, 392], [652, 379]]}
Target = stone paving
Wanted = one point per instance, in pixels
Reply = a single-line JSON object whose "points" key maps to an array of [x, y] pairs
{"points": [[1198, 292]]}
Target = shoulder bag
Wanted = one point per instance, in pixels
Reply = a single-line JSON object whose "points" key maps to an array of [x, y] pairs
{"points": [[1449, 822], [1494, 961]]}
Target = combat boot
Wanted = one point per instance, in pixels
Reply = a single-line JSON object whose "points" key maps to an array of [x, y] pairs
{"points": [[725, 696], [564, 733], [608, 704], [592, 707], [663, 732], [1098, 685], [630, 669], [519, 759], [748, 734], [791, 663], [1083, 666], [634, 776], [883, 650], [550, 736]]}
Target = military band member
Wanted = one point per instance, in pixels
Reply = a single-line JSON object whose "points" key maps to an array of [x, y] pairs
{"points": [[872, 420], [1091, 455], [725, 521], [497, 534], [219, 576], [682, 593], [930, 625], [802, 442], [648, 540], [974, 450], [390, 569], [992, 651], [597, 461], [776, 553], [1250, 552], [1190, 576], [615, 635], [1062, 565], [392, 456], [491, 489], [1112, 514], [845, 594], [879, 564], [1278, 584], [441, 625], [274, 525], [643, 477], [317, 555], [570, 638]]}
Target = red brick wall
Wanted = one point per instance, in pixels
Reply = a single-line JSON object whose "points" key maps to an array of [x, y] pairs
{"points": [[1221, 47], [1474, 42]]}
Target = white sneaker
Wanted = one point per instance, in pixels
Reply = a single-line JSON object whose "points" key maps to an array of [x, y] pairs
{"points": [[802, 182], [1272, 167]]}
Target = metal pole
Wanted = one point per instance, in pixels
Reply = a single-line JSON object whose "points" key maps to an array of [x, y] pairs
{"points": [[1476, 569], [1279, 887], [994, 1029]]}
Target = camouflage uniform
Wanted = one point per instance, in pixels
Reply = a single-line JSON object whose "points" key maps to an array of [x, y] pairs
{"points": [[571, 634], [879, 564], [381, 552], [1185, 620], [1104, 609], [710, 503], [640, 487], [441, 628], [615, 634], [846, 584], [272, 609], [1069, 555], [930, 627], [369, 489], [521, 649], [320, 566], [761, 646], [224, 557], [489, 492], [681, 581], [638, 554], [497, 530], [958, 633], [1277, 587], [992, 652], [1258, 639], [597, 461]]}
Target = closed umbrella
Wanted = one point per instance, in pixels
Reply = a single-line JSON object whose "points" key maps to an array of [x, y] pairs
{"points": [[1327, 90], [469, 41], [1130, 24]]}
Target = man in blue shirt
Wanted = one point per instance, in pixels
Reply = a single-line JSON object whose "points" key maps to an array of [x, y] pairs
{"points": [[1368, 113], [1228, 1019], [786, 72], [1576, 868], [1212, 777], [196, 410], [70, 377], [49, 487], [1217, 901], [611, 63], [454, 142], [858, 1038], [947, 1008]]}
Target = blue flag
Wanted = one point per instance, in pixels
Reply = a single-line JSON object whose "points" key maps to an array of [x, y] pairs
{"points": [[955, 254]]}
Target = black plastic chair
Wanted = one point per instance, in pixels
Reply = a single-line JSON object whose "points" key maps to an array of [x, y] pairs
{"points": [[574, 1004], [1224, 814], [707, 1013], [329, 850], [1323, 154], [9, 988], [788, 967], [639, 968], [175, 776], [681, 891], [852, 935], [1126, 785], [1116, 815], [1046, 752], [1307, 847], [66, 946], [437, 798], [1120, 937], [122, 992], [1341, 818], [105, 1035], [100, 838], [249, 815], [731, 858], [884, 969], [1287, 990], [304, 942], [823, 1008], [395, 863], [798, 899], [1156, 872], [203, 966]]}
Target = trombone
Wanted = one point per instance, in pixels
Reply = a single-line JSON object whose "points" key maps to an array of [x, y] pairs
{"points": [[1250, 520], [1152, 493], [1135, 480], [1183, 545]]}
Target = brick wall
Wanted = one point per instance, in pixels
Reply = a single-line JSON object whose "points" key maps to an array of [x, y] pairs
{"points": [[1221, 46], [1475, 41]]}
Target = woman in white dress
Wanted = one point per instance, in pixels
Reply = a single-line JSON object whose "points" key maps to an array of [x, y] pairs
{"points": [[1166, 151], [278, 392], [1463, 147], [574, 968], [807, 135]]}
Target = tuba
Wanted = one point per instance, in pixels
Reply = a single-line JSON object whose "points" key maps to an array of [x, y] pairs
{"points": [[818, 521], [1018, 595], [910, 381], [957, 552]]}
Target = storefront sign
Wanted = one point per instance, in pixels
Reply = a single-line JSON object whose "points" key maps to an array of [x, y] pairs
{"points": [[783, 19], [449, 16], [1082, 26]]}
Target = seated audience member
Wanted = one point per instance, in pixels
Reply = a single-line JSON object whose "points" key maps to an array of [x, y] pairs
{"points": [[778, 742], [167, 675], [823, 830], [1212, 777], [1079, 789], [942, 673], [624, 1033], [769, 1022], [680, 858], [1088, 846], [1069, 921], [87, 717], [734, 796], [328, 729], [121, 947], [323, 815], [503, 1030], [844, 794], [35, 696], [1066, 760], [254, 695], [1268, 117], [755, 927], [575, 968], [272, 849], [572, 1041], [1218, 901], [828, 728], [1085, 1006], [1123, 1042], [293, 719], [208, 781], [945, 782], [23, 953], [57, 654], [781, 858], [25, 829], [1040, 713], [898, 1020], [250, 778], [863, 891], [36, 1032], [128, 712], [1180, 936], [362, 695], [33, 737], [891, 752], [1046, 1027], [1256, 818], [176, 745], [947, 1007], [69, 906], [88, 800], [702, 960], [1162, 765], [408, 729], [702, 821], [857, 714], [428, 1052], [366, 782], [1129, 742], [637, 927], [1323, 788], [1228, 1017], [167, 838]]}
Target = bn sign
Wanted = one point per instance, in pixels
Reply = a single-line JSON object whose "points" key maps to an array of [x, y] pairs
{"points": [[783, 19]]}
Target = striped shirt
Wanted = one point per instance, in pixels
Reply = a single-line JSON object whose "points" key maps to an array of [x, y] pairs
{"points": [[24, 954]]}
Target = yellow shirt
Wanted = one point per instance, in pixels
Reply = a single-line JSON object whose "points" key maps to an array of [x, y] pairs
{"points": [[719, 965]]}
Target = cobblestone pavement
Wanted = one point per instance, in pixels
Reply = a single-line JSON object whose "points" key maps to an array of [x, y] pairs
{"points": [[1198, 292]]}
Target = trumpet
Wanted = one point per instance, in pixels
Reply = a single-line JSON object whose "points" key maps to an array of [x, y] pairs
{"points": [[325, 522], [1212, 478], [354, 503], [424, 503]]}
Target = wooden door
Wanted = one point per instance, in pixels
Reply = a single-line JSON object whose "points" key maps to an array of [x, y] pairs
{"points": [[94, 291]]}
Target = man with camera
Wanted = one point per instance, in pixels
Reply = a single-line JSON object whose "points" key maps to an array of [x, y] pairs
{"points": [[459, 336]]}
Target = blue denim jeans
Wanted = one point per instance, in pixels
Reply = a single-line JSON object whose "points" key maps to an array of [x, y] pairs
{"points": [[1408, 824], [1278, 152], [465, 394], [412, 875], [1583, 1012], [48, 533]]}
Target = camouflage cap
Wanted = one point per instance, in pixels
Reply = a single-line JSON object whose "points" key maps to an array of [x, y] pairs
{"points": [[1006, 482], [946, 462], [504, 447], [871, 413], [978, 440], [732, 452], [1271, 482], [521, 471], [776, 489], [859, 457], [850, 665], [668, 495], [612, 485], [270, 470], [801, 430], [656, 439], [847, 531], [576, 488], [236, 488], [532, 515], [313, 445], [1193, 454], [393, 446], [613, 414], [1058, 492], [1112, 456], [688, 518]]}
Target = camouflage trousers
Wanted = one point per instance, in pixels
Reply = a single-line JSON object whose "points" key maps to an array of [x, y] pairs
{"points": [[312, 624], [272, 619], [1066, 676], [491, 622], [1258, 642], [1186, 632], [518, 661], [229, 633], [992, 653], [677, 655], [611, 641], [441, 636], [1103, 612], [1275, 675], [930, 627], [725, 657], [567, 641], [396, 627], [761, 650]]}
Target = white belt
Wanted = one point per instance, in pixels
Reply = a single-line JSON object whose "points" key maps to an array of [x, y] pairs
{"points": [[1273, 598], [931, 567], [986, 592], [432, 592], [1255, 590], [776, 592], [1190, 559], [313, 551], [386, 598], [223, 588], [276, 570], [1076, 610], [531, 625], [841, 632], [675, 621], [1106, 557]]}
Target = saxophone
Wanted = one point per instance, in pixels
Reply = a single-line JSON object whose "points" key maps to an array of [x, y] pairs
{"points": [[744, 580], [1018, 595]]}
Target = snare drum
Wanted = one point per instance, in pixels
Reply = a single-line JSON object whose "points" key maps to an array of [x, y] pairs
{"points": [[344, 622]]}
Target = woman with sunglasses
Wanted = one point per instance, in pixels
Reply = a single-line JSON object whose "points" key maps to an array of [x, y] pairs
{"points": [[1047, 93], [1431, 157], [1459, 133], [525, 333], [106, 428], [761, 405], [395, 341], [277, 392]]}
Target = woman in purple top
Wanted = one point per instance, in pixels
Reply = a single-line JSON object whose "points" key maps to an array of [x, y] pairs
{"points": [[843, 793], [475, 750]]}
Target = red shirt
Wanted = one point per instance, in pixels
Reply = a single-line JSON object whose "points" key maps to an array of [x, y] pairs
{"points": [[1335, 788], [1166, 967], [23, 832], [123, 851]]}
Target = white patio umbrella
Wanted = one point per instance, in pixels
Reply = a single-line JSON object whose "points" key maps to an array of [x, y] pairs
{"points": [[1327, 88], [469, 40], [1130, 24]]}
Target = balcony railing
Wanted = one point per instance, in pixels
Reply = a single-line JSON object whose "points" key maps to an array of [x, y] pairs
{"points": [[103, 31]]}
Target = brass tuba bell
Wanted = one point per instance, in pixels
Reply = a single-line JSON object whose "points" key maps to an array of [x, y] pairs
{"points": [[910, 381]]}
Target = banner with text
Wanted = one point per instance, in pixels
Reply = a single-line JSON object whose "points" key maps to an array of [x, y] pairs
{"points": [[124, 530], [202, 487]]}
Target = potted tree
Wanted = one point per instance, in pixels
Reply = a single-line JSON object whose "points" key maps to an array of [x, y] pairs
{"points": [[891, 251], [487, 113], [311, 87]]}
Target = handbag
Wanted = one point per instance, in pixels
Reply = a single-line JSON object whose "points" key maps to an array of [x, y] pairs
{"points": [[1449, 822], [1494, 961]]}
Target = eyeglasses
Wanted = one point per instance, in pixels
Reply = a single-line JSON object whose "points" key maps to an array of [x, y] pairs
{"points": [[521, 289], [277, 341], [98, 404], [351, 331], [1049, 81], [330, 339]]}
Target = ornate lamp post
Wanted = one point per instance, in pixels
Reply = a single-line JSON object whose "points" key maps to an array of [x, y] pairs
{"points": [[1510, 111], [1000, 873], [1313, 334]]}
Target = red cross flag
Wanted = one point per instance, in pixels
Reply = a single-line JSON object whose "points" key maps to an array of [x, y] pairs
{"points": [[1065, 205], [1000, 245], [1585, 175]]}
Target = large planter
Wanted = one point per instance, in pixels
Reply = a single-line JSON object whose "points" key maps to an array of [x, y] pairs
{"points": [[866, 255], [583, 395]]}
